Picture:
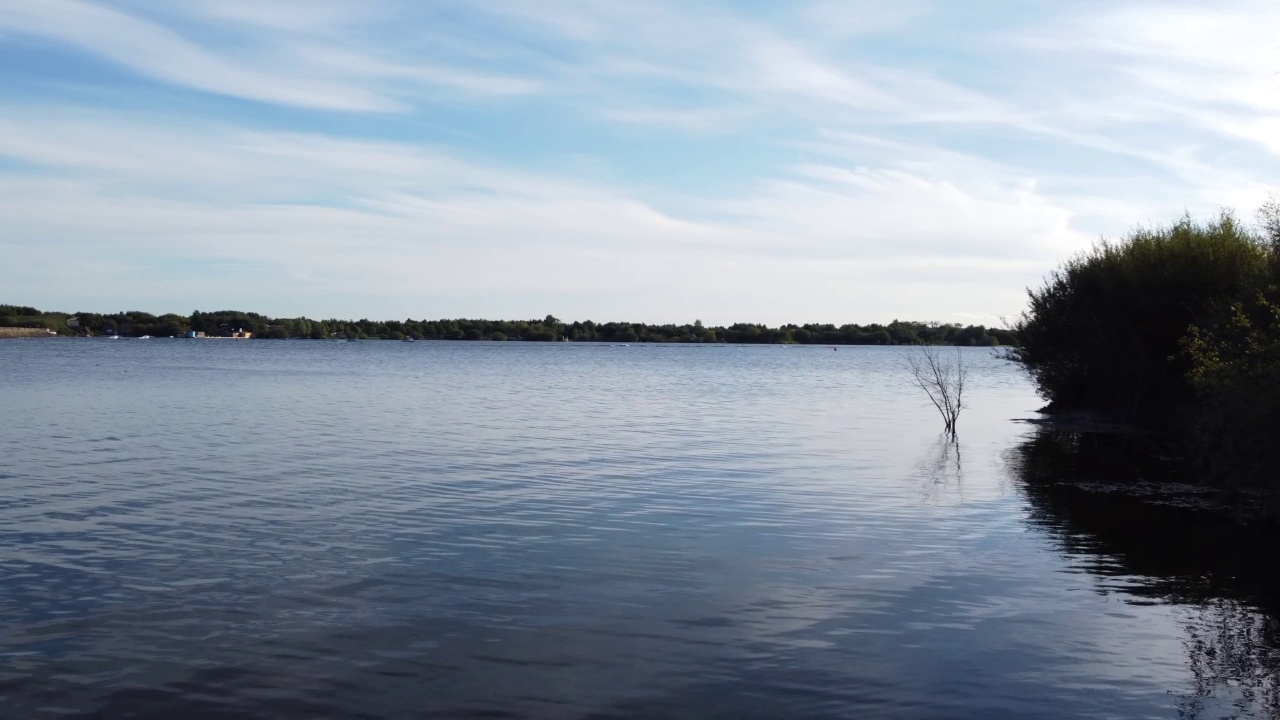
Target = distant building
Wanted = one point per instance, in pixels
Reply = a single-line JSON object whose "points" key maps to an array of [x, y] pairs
{"points": [[226, 331]]}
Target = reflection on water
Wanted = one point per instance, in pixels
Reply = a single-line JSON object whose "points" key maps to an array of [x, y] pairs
{"points": [[388, 530], [1214, 556], [941, 469], [1232, 652]]}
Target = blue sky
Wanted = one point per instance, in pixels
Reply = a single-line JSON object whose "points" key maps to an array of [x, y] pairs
{"points": [[653, 161]]}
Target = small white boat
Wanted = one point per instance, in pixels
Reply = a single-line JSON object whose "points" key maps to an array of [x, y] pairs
{"points": [[145, 337]]}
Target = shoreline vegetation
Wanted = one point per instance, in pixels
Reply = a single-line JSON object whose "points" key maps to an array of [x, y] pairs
{"points": [[549, 329], [1169, 336]]}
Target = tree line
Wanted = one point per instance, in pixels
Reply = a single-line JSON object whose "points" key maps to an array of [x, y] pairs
{"points": [[548, 329]]}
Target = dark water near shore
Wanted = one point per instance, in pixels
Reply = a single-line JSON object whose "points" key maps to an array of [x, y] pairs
{"points": [[299, 529]]}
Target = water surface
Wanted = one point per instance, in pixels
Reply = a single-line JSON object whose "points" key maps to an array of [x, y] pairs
{"points": [[378, 529]]}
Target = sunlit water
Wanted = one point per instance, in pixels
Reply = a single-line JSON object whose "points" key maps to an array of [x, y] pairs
{"points": [[379, 529]]}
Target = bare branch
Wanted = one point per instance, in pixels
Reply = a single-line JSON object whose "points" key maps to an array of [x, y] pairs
{"points": [[943, 381]]}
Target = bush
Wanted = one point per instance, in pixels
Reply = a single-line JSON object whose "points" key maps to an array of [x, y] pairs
{"points": [[1235, 372], [1106, 333]]}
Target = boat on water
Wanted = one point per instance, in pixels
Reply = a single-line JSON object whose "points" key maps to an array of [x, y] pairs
{"points": [[145, 337], [407, 340]]}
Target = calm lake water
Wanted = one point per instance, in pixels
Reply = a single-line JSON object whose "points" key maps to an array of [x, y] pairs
{"points": [[196, 529]]}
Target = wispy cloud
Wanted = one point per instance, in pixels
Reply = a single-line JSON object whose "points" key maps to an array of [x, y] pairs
{"points": [[1216, 70], [160, 53], [272, 65], [660, 161], [321, 212]]}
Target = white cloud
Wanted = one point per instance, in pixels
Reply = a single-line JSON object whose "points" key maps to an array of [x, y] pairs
{"points": [[339, 216], [859, 182], [269, 65], [1206, 69], [165, 55]]}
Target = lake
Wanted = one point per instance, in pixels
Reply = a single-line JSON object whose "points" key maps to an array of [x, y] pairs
{"points": [[280, 529]]}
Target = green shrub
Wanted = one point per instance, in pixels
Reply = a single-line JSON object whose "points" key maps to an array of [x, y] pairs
{"points": [[1235, 372], [1105, 333]]}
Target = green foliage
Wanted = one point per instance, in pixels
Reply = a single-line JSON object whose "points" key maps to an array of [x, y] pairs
{"points": [[21, 316], [1235, 372], [1104, 334], [1269, 220], [1174, 330], [17, 311]]}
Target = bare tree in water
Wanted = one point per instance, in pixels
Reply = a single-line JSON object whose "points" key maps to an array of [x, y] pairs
{"points": [[942, 378]]}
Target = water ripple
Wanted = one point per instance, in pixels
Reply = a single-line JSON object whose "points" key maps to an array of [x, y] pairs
{"points": [[294, 529]]}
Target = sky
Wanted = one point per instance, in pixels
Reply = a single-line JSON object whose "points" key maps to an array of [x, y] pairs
{"points": [[753, 161]]}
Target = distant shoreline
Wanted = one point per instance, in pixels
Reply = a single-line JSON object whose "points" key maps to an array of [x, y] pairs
{"points": [[226, 323], [14, 333]]}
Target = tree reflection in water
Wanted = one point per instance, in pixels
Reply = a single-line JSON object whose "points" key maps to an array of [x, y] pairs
{"points": [[1232, 654], [1113, 504], [941, 470]]}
